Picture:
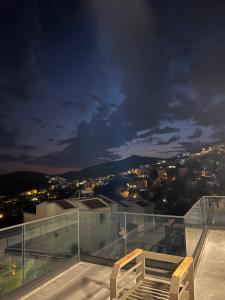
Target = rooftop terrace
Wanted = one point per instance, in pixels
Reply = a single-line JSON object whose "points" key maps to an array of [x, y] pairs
{"points": [[70, 256], [91, 281]]}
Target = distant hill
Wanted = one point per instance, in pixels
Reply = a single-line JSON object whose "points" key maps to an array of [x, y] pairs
{"points": [[111, 167], [13, 183]]}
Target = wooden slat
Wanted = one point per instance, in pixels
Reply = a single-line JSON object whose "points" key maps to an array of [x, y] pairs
{"points": [[157, 270], [129, 271], [184, 289], [124, 286], [158, 279], [150, 292], [163, 257], [126, 259], [126, 294], [143, 291], [153, 288], [143, 294], [136, 296], [157, 286], [150, 295]]}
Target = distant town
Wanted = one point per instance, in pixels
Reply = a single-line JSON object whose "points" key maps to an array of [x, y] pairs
{"points": [[169, 186]]}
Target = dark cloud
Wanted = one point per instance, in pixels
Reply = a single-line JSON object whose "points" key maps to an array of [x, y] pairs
{"points": [[59, 126], [219, 134], [65, 141], [91, 142], [4, 117], [173, 139], [113, 105], [8, 157], [103, 107], [82, 106], [18, 158], [164, 130], [27, 147], [8, 137], [192, 146], [96, 96], [205, 74], [196, 134], [36, 120], [19, 28], [170, 57], [50, 140], [164, 59]]}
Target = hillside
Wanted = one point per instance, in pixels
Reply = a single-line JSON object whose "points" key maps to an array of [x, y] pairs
{"points": [[111, 167], [13, 183]]}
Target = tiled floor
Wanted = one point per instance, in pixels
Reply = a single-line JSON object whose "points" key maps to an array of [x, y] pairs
{"points": [[89, 281]]}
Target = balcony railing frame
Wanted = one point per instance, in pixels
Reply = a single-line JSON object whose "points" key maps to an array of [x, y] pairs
{"points": [[204, 212]]}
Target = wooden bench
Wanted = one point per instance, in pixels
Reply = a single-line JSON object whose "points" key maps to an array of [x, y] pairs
{"points": [[141, 282]]}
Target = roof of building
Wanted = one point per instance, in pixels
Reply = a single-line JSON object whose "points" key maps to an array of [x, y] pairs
{"points": [[122, 203], [142, 203], [94, 203], [106, 199], [64, 204]]}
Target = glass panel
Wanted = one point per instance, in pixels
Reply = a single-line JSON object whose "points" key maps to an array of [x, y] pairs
{"points": [[102, 234], [209, 209], [163, 234], [194, 226], [216, 210], [11, 259], [49, 243]]}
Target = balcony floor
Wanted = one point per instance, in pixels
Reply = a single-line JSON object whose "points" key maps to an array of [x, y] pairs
{"points": [[82, 281], [210, 277], [89, 281]]}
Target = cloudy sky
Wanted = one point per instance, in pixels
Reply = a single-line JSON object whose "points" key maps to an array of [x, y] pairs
{"points": [[86, 81]]}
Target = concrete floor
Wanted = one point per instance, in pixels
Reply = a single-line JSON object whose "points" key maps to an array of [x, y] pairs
{"points": [[89, 281], [210, 277], [83, 281]]}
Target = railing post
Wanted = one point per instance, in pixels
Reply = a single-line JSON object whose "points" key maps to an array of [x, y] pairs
{"points": [[125, 232], [23, 252], [206, 218], [78, 234], [200, 208]]}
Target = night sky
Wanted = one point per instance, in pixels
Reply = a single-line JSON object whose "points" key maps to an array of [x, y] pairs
{"points": [[83, 82]]}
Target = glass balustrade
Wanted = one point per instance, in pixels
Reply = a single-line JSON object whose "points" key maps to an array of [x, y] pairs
{"points": [[158, 233], [194, 221], [102, 234], [32, 250], [215, 210]]}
